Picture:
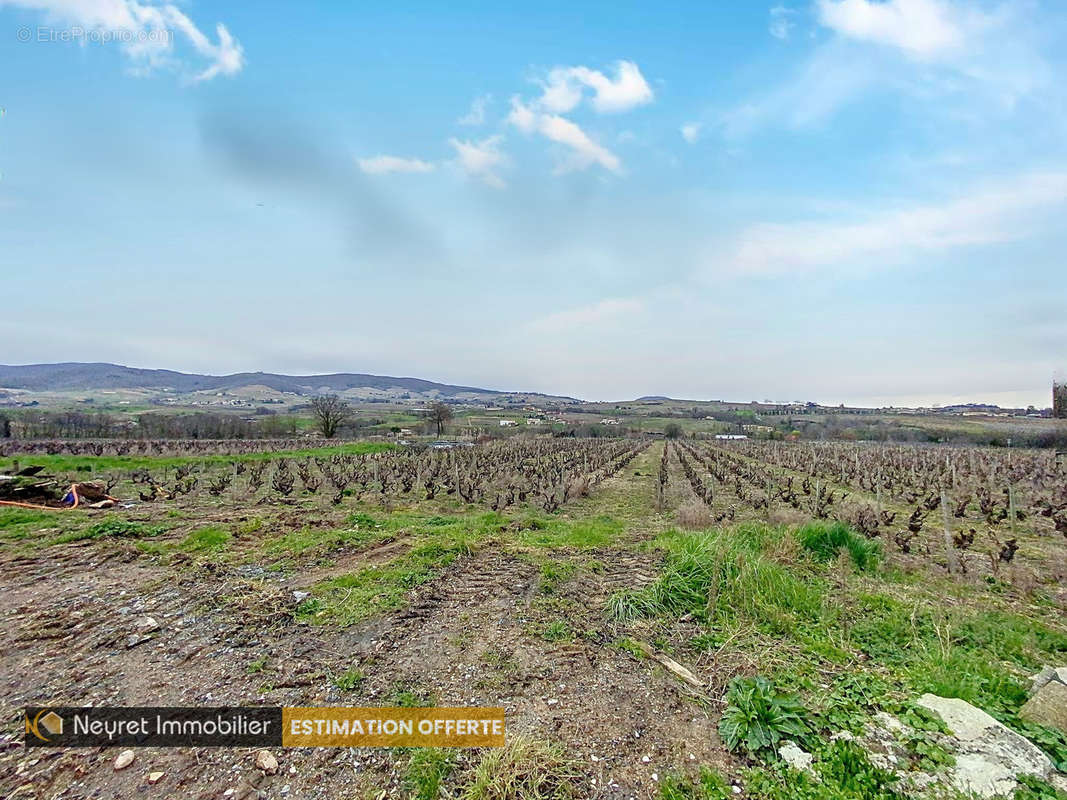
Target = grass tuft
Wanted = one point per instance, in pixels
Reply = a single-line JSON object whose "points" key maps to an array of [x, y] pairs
{"points": [[525, 769], [826, 541]]}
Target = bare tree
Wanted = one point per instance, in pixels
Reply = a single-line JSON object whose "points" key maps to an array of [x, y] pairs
{"points": [[1059, 397], [330, 413], [439, 415]]}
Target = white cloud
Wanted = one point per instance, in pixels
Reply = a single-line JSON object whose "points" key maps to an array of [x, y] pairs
{"points": [[522, 116], [584, 152], [691, 131], [922, 28], [146, 31], [781, 24], [988, 215], [561, 93], [947, 60], [587, 316], [481, 159], [381, 165], [563, 89], [476, 115]]}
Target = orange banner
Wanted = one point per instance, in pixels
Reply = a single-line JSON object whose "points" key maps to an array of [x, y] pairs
{"points": [[393, 727]]}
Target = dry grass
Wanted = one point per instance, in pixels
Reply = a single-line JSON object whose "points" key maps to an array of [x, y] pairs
{"points": [[525, 769], [694, 516]]}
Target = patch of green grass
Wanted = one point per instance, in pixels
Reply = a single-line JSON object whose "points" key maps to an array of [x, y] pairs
{"points": [[113, 527], [628, 645], [303, 540], [751, 592], [257, 666], [353, 597], [22, 523], [708, 785], [349, 680], [580, 534], [557, 631], [841, 772], [554, 573], [91, 464], [210, 540], [826, 540], [348, 599], [427, 771], [725, 575], [409, 697], [1032, 788], [250, 526]]}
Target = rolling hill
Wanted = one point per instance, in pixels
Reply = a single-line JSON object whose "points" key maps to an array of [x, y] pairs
{"points": [[73, 377]]}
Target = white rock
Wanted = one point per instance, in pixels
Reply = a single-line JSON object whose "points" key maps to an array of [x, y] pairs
{"points": [[155, 777], [794, 756], [990, 755], [147, 624], [301, 596], [888, 721], [124, 759], [266, 761]]}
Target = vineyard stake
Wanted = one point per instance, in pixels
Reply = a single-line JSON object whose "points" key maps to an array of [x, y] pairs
{"points": [[950, 554]]}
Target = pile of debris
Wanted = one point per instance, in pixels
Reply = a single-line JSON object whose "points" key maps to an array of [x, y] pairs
{"points": [[31, 488]]}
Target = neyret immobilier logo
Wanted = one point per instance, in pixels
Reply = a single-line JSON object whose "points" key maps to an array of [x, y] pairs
{"points": [[263, 726]]}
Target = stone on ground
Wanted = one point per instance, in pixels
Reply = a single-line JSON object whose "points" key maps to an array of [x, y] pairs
{"points": [[266, 761], [794, 756], [990, 756], [1048, 706], [1057, 674], [125, 758]]}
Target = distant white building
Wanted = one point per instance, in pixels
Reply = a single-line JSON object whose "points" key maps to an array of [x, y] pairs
{"points": [[533, 421], [730, 436], [609, 422], [507, 423]]}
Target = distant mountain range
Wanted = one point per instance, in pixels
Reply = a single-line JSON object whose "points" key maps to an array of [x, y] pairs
{"points": [[73, 377]]}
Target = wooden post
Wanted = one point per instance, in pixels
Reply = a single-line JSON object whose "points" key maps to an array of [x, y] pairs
{"points": [[950, 552], [1011, 508]]}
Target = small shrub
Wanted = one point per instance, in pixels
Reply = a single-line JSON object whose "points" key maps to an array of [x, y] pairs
{"points": [[757, 717]]}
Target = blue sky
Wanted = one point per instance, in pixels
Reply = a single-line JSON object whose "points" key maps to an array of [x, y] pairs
{"points": [[836, 200]]}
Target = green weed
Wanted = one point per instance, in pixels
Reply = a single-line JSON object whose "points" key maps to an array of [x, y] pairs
{"points": [[757, 717]]}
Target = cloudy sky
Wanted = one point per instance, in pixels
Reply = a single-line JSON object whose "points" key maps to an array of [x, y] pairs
{"points": [[833, 200]]}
